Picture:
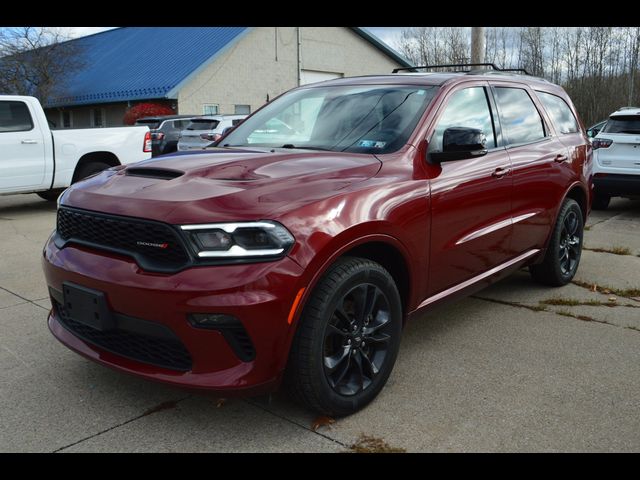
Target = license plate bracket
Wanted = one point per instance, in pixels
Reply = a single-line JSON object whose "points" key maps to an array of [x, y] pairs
{"points": [[87, 306]]}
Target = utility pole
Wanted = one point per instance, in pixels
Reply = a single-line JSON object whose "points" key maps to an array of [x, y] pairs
{"points": [[477, 44]]}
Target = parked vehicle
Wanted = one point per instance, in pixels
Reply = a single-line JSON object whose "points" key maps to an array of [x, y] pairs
{"points": [[595, 129], [616, 169], [300, 259], [36, 159], [204, 131], [165, 131]]}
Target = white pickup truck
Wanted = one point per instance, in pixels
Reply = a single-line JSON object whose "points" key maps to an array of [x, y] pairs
{"points": [[36, 159]]}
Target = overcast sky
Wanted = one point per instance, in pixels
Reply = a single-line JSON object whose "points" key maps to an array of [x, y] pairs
{"points": [[386, 34]]}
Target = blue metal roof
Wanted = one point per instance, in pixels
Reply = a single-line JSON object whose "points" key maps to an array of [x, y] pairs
{"points": [[135, 63]]}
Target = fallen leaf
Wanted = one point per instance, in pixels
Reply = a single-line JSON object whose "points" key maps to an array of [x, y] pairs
{"points": [[220, 402], [606, 291], [612, 299], [594, 288], [322, 422]]}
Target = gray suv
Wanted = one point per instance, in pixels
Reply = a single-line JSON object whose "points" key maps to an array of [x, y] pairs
{"points": [[165, 132], [203, 131]]}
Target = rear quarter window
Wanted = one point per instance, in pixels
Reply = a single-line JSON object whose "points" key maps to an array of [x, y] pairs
{"points": [[560, 113]]}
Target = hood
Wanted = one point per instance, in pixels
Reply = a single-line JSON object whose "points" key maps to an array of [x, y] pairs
{"points": [[221, 184]]}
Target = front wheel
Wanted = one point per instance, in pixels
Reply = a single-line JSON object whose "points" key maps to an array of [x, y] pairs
{"points": [[565, 248], [347, 339]]}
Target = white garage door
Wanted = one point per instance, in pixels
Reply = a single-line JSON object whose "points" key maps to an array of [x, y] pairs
{"points": [[312, 76]]}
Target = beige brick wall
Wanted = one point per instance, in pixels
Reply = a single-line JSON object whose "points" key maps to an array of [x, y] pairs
{"points": [[248, 71]]}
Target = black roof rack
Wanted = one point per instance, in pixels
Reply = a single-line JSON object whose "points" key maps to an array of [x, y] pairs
{"points": [[459, 65]]}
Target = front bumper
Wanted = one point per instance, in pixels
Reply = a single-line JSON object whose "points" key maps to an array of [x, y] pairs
{"points": [[616, 184], [260, 295]]}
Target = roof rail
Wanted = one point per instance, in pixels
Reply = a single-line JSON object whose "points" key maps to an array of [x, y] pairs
{"points": [[458, 65]]}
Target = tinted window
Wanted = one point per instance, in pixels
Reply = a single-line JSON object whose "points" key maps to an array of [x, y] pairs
{"points": [[15, 117], [151, 123], [466, 108], [560, 113], [623, 124], [203, 124], [521, 121]]}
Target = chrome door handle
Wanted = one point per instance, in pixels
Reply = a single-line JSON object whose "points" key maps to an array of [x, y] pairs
{"points": [[560, 158], [500, 172], [29, 142]]}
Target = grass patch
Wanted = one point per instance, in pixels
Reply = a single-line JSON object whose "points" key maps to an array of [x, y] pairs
{"points": [[568, 302], [613, 250], [626, 292], [368, 444]]}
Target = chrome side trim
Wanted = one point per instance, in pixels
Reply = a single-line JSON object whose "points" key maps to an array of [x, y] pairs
{"points": [[478, 278], [495, 226]]}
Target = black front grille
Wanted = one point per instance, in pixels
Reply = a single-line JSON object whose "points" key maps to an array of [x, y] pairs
{"points": [[156, 246], [166, 352]]}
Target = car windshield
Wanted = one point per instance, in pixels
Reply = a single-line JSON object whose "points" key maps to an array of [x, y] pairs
{"points": [[202, 124], [622, 124], [360, 119]]}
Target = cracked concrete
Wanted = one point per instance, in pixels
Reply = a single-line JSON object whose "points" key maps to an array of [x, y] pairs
{"points": [[501, 371]]}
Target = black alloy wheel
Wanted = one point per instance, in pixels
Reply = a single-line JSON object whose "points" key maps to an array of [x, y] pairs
{"points": [[347, 338], [357, 339]]}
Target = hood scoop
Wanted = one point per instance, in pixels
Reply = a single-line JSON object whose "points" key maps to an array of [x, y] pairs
{"points": [[158, 173]]}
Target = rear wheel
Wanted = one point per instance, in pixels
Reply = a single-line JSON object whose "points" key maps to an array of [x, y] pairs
{"points": [[347, 340], [565, 248], [600, 201], [89, 169]]}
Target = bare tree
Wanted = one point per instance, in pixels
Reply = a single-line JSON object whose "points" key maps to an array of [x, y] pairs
{"points": [[36, 61]]}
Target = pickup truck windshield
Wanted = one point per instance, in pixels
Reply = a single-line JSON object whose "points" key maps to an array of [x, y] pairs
{"points": [[359, 119]]}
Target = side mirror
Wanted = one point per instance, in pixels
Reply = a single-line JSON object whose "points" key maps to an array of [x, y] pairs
{"points": [[592, 132], [460, 143]]}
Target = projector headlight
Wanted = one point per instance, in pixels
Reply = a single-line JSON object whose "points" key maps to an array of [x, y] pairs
{"points": [[264, 239]]}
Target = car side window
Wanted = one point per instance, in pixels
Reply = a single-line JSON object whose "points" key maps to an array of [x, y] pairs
{"points": [[520, 120], [559, 111], [466, 108], [15, 117]]}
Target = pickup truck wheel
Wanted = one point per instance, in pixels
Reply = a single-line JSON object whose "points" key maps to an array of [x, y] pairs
{"points": [[600, 201], [347, 339], [51, 195], [89, 169], [565, 248]]}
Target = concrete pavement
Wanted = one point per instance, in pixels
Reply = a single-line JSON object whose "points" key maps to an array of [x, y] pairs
{"points": [[517, 367]]}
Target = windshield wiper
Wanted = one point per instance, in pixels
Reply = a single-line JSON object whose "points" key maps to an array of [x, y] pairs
{"points": [[291, 145]]}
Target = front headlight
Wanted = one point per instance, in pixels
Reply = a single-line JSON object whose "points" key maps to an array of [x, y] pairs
{"points": [[264, 239]]}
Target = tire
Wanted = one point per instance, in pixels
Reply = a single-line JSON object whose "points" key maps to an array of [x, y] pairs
{"points": [[89, 169], [565, 248], [600, 201], [336, 372], [51, 195]]}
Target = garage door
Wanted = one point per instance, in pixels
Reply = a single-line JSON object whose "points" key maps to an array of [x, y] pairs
{"points": [[312, 76]]}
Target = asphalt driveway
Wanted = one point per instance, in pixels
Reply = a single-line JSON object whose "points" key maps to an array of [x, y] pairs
{"points": [[517, 367]]}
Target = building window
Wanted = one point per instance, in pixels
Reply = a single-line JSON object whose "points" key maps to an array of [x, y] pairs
{"points": [[66, 119], [98, 117], [210, 109], [243, 109]]}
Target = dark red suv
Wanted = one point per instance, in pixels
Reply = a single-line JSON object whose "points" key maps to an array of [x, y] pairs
{"points": [[296, 249]]}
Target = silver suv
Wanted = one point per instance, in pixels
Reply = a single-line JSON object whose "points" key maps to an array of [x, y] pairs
{"points": [[203, 131]]}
